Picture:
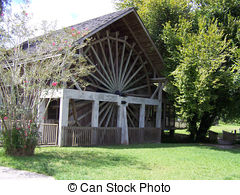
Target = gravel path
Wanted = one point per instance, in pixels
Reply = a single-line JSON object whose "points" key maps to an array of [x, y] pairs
{"points": [[9, 173]]}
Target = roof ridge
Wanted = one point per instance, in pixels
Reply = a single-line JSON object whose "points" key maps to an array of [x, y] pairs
{"points": [[117, 13]]}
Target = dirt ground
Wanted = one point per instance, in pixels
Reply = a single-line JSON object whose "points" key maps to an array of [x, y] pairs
{"points": [[9, 173]]}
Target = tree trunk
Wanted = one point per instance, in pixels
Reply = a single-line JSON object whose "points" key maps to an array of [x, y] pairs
{"points": [[207, 121], [192, 127]]}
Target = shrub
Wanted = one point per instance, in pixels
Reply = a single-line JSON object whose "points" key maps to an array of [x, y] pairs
{"points": [[20, 141]]}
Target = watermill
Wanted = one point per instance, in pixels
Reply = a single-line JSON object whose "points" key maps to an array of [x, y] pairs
{"points": [[125, 90]]}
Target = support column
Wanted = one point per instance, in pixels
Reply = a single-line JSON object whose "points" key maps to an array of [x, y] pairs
{"points": [[40, 116], [159, 112], [94, 123], [119, 116], [122, 122], [63, 119], [159, 108], [124, 139], [142, 122]]}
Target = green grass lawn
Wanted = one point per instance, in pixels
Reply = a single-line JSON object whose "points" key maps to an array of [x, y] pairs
{"points": [[218, 128], [134, 162], [226, 127]]}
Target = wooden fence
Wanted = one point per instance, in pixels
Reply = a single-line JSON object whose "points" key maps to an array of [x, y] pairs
{"points": [[88, 136], [49, 134]]}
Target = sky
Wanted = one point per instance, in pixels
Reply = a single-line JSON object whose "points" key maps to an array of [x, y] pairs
{"points": [[67, 12]]}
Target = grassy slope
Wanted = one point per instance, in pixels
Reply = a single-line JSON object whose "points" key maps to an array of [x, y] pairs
{"points": [[148, 161]]}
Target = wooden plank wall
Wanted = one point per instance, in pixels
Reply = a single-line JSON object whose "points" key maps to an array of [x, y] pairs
{"points": [[49, 134], [82, 136]]}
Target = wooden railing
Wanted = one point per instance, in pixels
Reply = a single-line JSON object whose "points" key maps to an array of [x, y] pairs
{"points": [[49, 134]]}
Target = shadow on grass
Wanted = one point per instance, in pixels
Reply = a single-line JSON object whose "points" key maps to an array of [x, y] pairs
{"points": [[52, 161], [232, 149]]}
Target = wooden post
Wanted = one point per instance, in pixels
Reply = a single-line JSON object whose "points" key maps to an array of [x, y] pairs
{"points": [[119, 116], [40, 117], [159, 112], [142, 122], [94, 123], [63, 119], [164, 115], [122, 123], [124, 137]]}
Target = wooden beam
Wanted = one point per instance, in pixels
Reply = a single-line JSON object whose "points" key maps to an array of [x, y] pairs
{"points": [[131, 121], [124, 134], [134, 82], [104, 70], [106, 61], [157, 80], [105, 114], [63, 119], [142, 116], [74, 111], [122, 59], [109, 116], [116, 63], [105, 97], [129, 71], [94, 121], [41, 113], [111, 58], [136, 88], [136, 40], [133, 75], [126, 64], [155, 92]]}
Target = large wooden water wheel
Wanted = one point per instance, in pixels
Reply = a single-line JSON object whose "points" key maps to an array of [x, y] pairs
{"points": [[119, 69]]}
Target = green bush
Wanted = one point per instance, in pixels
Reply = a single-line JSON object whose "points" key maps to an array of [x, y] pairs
{"points": [[19, 141]]}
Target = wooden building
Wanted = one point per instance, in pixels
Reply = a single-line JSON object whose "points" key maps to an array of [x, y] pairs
{"points": [[125, 91]]}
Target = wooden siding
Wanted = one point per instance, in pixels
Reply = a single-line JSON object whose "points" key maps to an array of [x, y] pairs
{"points": [[83, 136], [49, 135]]}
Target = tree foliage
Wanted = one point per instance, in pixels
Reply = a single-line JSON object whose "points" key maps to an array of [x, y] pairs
{"points": [[3, 4], [203, 77], [199, 41], [28, 66], [155, 14]]}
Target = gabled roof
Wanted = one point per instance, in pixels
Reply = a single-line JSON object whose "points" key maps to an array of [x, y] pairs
{"points": [[96, 24], [126, 20], [135, 26]]}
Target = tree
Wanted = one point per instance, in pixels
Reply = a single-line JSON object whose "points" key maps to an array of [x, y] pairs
{"points": [[3, 4], [175, 28], [155, 14], [203, 77], [29, 65]]}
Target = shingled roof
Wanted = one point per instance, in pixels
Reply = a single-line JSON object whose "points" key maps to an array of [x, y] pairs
{"points": [[98, 23], [131, 19], [128, 22]]}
